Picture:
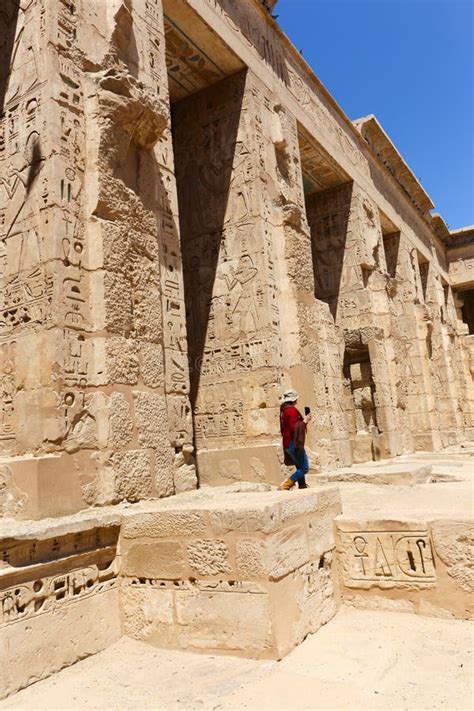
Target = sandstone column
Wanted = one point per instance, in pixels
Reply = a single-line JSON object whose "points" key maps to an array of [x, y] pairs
{"points": [[93, 337], [253, 322]]}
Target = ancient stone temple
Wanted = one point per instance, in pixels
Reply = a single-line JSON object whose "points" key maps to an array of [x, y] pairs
{"points": [[190, 224]]}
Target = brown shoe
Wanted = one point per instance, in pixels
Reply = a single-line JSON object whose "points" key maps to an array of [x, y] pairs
{"points": [[286, 485]]}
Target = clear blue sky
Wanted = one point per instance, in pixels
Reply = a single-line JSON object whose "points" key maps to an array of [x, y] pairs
{"points": [[411, 63]]}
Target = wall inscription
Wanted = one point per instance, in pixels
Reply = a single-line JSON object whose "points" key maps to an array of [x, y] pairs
{"points": [[387, 558]]}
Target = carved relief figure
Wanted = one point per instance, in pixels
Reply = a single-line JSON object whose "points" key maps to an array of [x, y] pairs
{"points": [[245, 305]]}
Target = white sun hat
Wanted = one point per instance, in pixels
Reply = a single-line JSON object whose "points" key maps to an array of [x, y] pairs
{"points": [[289, 396]]}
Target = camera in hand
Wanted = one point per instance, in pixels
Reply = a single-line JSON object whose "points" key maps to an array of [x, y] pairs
{"points": [[307, 410]]}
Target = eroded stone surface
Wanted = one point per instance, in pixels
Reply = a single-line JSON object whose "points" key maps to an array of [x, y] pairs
{"points": [[454, 542], [208, 556]]}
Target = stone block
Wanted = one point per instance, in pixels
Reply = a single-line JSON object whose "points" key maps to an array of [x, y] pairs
{"points": [[163, 476], [254, 463], [151, 418], [34, 649], [454, 543], [152, 364], [362, 448], [388, 556], [315, 597], [300, 505], [321, 534], [147, 614], [120, 421], [132, 474], [251, 559], [122, 365], [118, 303], [47, 485], [246, 520], [426, 565], [185, 478], [226, 621], [286, 551], [361, 375], [157, 560], [163, 524], [208, 556]]}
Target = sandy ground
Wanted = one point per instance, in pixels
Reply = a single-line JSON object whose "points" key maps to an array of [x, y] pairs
{"points": [[443, 499], [360, 660]]}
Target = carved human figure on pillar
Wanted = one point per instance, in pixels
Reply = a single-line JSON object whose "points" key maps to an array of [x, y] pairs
{"points": [[245, 306]]}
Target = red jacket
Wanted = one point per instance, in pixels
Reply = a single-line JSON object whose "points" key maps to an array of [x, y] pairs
{"points": [[289, 418]]}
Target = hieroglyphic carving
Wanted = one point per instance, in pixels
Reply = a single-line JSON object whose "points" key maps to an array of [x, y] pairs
{"points": [[27, 600], [244, 19], [26, 297], [225, 420], [66, 193], [201, 585], [241, 357], [226, 257], [393, 558], [7, 394], [336, 270], [52, 549], [189, 69], [26, 284]]}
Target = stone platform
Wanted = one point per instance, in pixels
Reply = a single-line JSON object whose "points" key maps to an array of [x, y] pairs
{"points": [[404, 540], [244, 572]]}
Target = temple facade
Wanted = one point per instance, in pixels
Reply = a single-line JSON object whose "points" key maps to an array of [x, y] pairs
{"points": [[189, 226]]}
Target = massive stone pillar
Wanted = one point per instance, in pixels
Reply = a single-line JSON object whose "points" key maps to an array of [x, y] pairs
{"points": [[388, 299], [94, 404], [252, 318], [350, 276], [449, 375]]}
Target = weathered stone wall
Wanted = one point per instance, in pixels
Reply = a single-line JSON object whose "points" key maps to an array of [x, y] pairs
{"points": [[386, 296], [93, 342], [253, 322], [59, 596], [94, 403], [412, 566], [243, 573], [240, 573], [231, 284]]}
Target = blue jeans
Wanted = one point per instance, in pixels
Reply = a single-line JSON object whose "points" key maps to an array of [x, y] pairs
{"points": [[300, 461]]}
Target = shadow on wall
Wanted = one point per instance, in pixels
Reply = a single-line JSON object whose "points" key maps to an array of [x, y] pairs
{"points": [[328, 217], [205, 128], [9, 11]]}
